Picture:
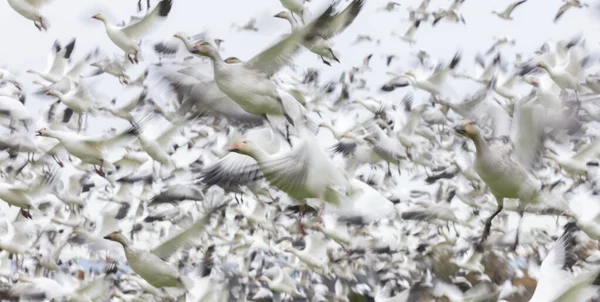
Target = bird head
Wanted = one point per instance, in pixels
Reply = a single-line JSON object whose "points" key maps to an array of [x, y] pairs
{"points": [[180, 36], [467, 128], [98, 17], [41, 132], [116, 236], [202, 48], [282, 15], [243, 146]]}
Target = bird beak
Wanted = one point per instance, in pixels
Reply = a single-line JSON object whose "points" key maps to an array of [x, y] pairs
{"points": [[97, 17], [233, 148], [109, 237], [38, 133], [48, 92], [18, 86], [460, 129]]}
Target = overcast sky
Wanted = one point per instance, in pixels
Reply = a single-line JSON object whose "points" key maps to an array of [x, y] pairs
{"points": [[24, 47]]}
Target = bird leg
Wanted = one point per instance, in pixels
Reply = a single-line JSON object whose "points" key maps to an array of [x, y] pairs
{"points": [[488, 222], [292, 13], [100, 171], [287, 117], [25, 213], [323, 59], [58, 161], [333, 55], [300, 225], [287, 135], [130, 59], [514, 247]]}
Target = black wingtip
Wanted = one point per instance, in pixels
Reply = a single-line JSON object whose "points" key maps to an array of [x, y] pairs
{"points": [[165, 7], [56, 46], [68, 113], [455, 60], [69, 49]]}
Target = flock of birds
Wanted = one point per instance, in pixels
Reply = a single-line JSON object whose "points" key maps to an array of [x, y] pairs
{"points": [[233, 180]]}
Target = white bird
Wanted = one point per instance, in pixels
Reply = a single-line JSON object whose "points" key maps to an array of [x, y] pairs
{"points": [[295, 7], [557, 284], [506, 14], [31, 9], [58, 61], [128, 37]]}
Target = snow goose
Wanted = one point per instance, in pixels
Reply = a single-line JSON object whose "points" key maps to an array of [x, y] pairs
{"points": [[565, 7], [198, 93], [128, 37], [115, 66], [234, 170], [557, 284], [320, 44], [92, 150], [506, 14], [78, 100], [262, 97], [305, 172], [409, 35], [577, 164], [158, 147], [433, 82], [170, 49], [31, 9], [58, 60], [149, 266], [506, 169], [563, 75], [295, 7], [24, 195]]}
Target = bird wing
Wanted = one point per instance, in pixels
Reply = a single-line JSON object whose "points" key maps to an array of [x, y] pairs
{"points": [[326, 25], [526, 132], [173, 244], [231, 171], [76, 69], [561, 11], [412, 29], [289, 171], [138, 29], [56, 61], [552, 273], [511, 7]]}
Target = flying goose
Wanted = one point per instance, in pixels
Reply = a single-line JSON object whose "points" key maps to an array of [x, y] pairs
{"points": [[565, 7], [506, 14], [128, 37], [31, 9], [319, 44], [58, 60]]}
